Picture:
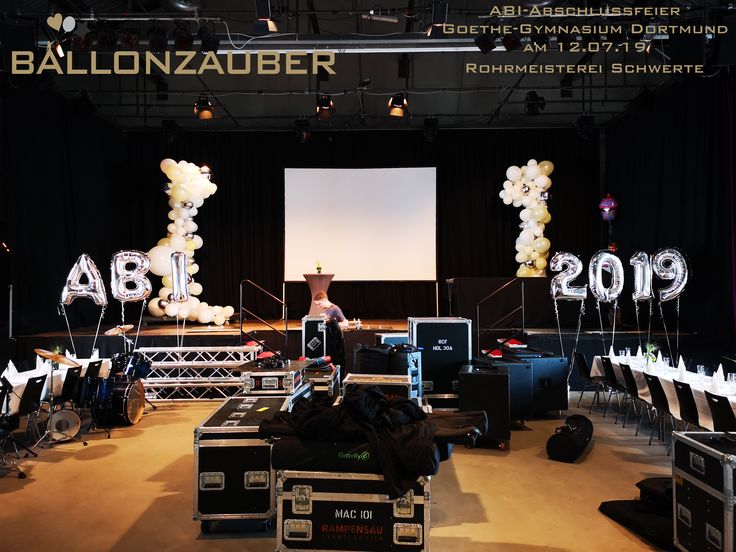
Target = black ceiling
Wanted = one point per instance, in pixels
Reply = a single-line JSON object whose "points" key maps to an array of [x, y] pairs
{"points": [[437, 84]]}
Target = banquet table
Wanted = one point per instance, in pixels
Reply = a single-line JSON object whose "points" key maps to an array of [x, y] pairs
{"points": [[698, 384], [18, 380]]}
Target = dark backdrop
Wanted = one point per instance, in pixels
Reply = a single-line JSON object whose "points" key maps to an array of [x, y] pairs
{"points": [[670, 163], [77, 184]]}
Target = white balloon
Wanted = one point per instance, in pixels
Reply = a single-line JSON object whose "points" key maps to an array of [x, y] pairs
{"points": [[172, 309], [195, 288], [172, 215], [218, 319], [507, 185], [204, 316], [533, 172], [526, 237], [177, 242], [525, 214], [183, 311], [160, 259], [179, 222], [513, 173], [190, 226], [172, 228], [154, 309], [228, 311], [531, 162]]}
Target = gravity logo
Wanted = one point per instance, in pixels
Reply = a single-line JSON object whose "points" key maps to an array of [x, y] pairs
{"points": [[362, 456], [58, 60]]}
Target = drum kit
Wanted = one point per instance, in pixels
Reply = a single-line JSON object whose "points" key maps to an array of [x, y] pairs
{"points": [[116, 400]]}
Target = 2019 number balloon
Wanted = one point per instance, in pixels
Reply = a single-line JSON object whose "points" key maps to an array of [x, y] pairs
{"points": [[605, 260], [670, 264], [570, 268], [667, 264]]}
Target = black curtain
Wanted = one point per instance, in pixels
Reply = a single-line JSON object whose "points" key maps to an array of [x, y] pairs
{"points": [[242, 224], [670, 164]]}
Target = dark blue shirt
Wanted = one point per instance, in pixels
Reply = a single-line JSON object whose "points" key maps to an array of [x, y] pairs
{"points": [[333, 312]]}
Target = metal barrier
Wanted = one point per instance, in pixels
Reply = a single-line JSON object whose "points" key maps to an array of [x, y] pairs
{"points": [[195, 373]]}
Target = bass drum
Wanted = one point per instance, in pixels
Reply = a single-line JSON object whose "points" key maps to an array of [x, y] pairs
{"points": [[118, 402]]}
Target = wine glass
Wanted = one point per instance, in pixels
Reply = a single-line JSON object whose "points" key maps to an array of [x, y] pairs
{"points": [[701, 371]]}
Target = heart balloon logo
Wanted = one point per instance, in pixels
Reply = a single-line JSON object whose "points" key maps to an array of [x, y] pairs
{"points": [[54, 21]]}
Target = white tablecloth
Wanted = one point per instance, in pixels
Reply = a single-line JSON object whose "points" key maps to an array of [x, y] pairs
{"points": [[697, 383], [18, 380]]}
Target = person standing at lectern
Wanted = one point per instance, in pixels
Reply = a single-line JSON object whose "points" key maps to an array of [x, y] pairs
{"points": [[331, 311]]}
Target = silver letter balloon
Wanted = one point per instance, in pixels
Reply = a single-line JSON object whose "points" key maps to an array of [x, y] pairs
{"points": [[130, 267], [94, 288], [528, 186]]}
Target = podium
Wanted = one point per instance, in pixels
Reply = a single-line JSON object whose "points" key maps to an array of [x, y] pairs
{"points": [[317, 283]]}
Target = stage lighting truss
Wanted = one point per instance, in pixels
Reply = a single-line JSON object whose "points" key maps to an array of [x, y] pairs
{"points": [[195, 373]]}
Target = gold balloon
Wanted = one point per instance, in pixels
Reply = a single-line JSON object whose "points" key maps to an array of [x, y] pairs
{"points": [[546, 167], [540, 263], [524, 272]]}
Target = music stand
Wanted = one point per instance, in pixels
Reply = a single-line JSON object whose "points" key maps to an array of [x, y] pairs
{"points": [[92, 380]]}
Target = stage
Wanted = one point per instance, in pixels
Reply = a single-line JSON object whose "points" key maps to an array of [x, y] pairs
{"points": [[706, 349]]}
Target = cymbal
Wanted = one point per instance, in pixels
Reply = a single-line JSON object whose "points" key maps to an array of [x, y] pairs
{"points": [[56, 357], [117, 330]]}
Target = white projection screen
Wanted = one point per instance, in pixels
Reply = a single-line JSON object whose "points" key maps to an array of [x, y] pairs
{"points": [[361, 224]]}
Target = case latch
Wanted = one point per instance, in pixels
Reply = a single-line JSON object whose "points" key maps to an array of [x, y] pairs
{"points": [[404, 505], [408, 533], [697, 463], [301, 501], [271, 382], [250, 383], [256, 480], [297, 529]]}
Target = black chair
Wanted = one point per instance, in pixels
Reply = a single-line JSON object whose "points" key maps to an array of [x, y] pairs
{"points": [[69, 389], [686, 400], [632, 389], [612, 385], [590, 382], [722, 412], [88, 384], [30, 402], [660, 405], [8, 424]]}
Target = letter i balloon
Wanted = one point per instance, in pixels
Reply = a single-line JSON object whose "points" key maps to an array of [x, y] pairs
{"points": [[188, 188]]}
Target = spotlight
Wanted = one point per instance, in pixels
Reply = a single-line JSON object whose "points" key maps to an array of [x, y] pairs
{"points": [[431, 128], [511, 41], [302, 130], [203, 108], [263, 23], [485, 42], [209, 42], [398, 105], [157, 42], [183, 39], [325, 107], [534, 103], [58, 48]]}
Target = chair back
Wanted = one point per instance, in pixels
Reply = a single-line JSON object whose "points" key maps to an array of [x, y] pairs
{"points": [[71, 381], [30, 400], [583, 368], [688, 409], [5, 389], [610, 373], [722, 412], [93, 369], [629, 381], [659, 399]]}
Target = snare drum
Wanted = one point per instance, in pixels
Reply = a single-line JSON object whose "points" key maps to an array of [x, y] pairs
{"points": [[118, 401]]}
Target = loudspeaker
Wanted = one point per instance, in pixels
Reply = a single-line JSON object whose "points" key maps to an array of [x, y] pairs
{"points": [[487, 388], [371, 360], [570, 440], [521, 388]]}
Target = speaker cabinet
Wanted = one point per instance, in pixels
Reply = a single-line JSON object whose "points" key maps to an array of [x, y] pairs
{"points": [[487, 388]]}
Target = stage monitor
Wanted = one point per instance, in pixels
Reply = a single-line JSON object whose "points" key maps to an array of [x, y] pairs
{"points": [[361, 224]]}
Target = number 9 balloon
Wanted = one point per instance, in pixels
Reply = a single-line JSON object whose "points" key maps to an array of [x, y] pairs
{"points": [[670, 264]]}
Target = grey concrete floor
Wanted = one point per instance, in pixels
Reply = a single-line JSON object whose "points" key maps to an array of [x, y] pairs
{"points": [[134, 493]]}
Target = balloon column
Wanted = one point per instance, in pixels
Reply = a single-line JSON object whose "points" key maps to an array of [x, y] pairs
{"points": [[190, 185], [528, 186]]}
